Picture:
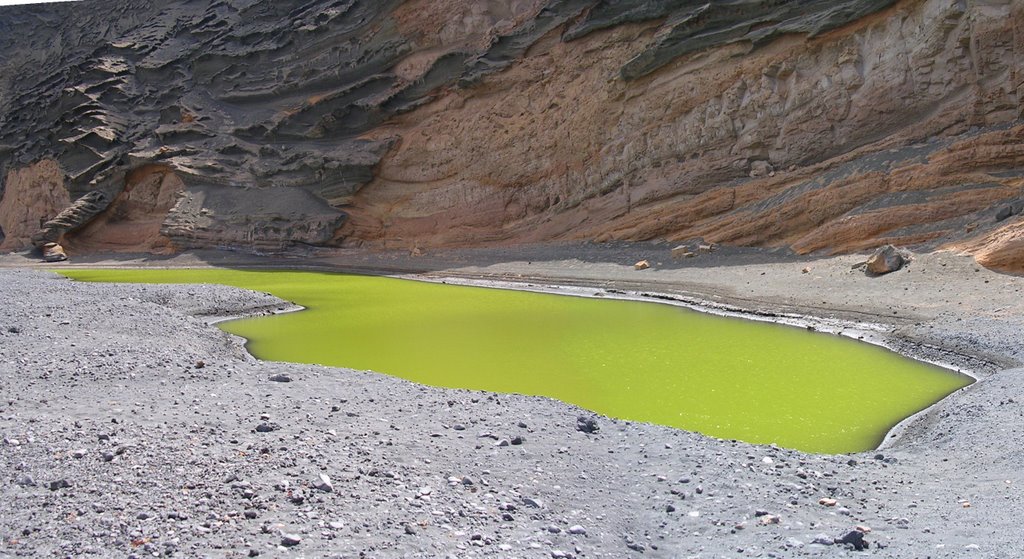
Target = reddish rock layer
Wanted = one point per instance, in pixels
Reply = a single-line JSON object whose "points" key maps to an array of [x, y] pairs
{"points": [[889, 130]]}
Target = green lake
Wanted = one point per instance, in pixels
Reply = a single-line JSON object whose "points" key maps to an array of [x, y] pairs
{"points": [[725, 377]]}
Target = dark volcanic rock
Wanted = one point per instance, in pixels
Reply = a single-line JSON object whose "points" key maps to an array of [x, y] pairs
{"points": [[587, 424], [854, 539]]}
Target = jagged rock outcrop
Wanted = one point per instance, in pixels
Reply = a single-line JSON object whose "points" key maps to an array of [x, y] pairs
{"points": [[822, 126], [75, 216]]}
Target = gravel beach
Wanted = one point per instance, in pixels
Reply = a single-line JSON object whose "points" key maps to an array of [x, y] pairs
{"points": [[131, 426]]}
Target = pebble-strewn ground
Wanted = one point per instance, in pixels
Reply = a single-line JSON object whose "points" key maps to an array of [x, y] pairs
{"points": [[130, 427]]}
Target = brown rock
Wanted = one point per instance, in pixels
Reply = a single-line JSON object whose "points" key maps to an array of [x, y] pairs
{"points": [[682, 251], [642, 265], [1002, 249], [884, 260], [31, 196], [52, 252]]}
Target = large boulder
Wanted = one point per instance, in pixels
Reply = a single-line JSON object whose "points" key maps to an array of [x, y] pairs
{"points": [[884, 260], [52, 252]]}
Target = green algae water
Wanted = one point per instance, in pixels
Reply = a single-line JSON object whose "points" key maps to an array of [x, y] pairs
{"points": [[725, 377]]}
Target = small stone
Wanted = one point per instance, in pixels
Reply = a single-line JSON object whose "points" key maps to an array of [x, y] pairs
{"points": [[518, 440], [325, 484], [682, 251], [769, 519], [280, 377], [670, 508], [642, 265], [822, 539], [290, 540], [59, 484], [577, 530], [335, 525], [854, 539], [200, 364], [502, 442], [142, 516], [409, 530], [78, 454], [250, 514], [827, 501], [106, 455], [459, 427], [587, 424], [531, 502], [267, 427], [25, 480]]}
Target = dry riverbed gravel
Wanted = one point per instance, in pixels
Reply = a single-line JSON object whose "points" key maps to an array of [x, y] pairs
{"points": [[131, 427]]}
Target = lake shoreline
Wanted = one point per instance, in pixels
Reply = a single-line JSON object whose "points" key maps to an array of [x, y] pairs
{"points": [[903, 493]]}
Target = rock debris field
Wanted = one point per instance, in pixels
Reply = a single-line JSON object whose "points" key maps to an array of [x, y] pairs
{"points": [[133, 427]]}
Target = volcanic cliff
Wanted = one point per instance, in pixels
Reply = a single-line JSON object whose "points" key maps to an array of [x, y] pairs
{"points": [[821, 126]]}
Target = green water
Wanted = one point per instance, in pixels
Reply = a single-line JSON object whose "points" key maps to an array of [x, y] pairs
{"points": [[725, 377]]}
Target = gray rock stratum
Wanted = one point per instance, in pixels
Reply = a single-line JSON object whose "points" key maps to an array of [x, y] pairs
{"points": [[828, 126]]}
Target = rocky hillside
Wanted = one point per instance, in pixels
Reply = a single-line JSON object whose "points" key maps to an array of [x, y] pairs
{"points": [[829, 126]]}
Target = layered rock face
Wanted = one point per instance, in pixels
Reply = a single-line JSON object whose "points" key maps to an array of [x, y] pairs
{"points": [[820, 126]]}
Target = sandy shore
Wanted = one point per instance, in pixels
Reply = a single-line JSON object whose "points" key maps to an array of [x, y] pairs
{"points": [[102, 393]]}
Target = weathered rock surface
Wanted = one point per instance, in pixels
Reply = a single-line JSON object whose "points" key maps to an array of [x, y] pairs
{"points": [[821, 126]]}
